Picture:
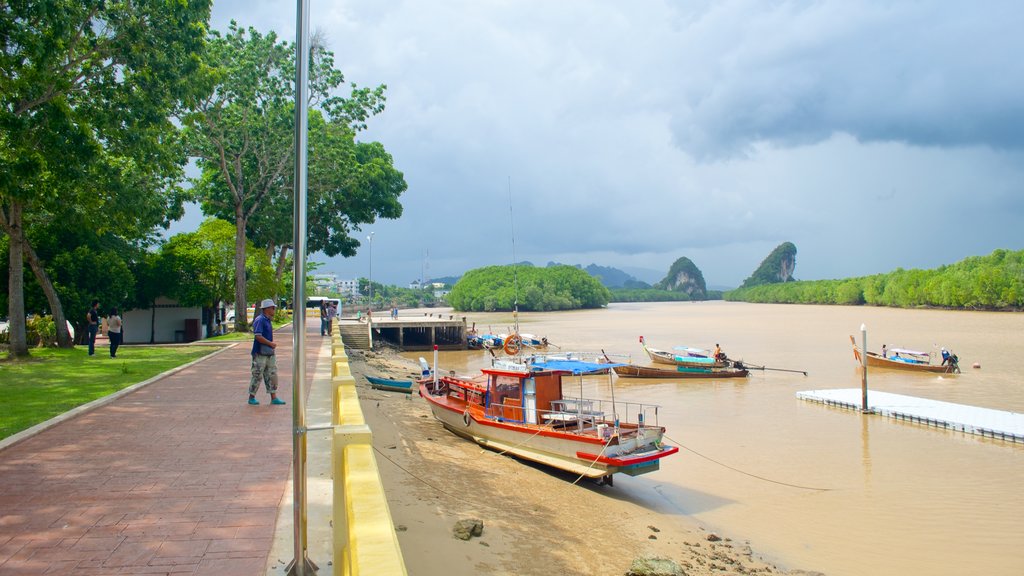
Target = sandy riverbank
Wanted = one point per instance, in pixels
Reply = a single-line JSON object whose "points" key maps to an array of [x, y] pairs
{"points": [[535, 520]]}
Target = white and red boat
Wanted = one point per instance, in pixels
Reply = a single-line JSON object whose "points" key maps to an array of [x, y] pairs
{"points": [[524, 410]]}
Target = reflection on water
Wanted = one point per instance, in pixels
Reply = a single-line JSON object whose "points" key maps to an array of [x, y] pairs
{"points": [[812, 486]]}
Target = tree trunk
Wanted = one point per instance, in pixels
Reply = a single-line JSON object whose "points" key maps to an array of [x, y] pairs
{"points": [[56, 308], [281, 261], [241, 306], [16, 280], [152, 322]]}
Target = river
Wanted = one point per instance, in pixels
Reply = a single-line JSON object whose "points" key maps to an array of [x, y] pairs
{"points": [[810, 486]]}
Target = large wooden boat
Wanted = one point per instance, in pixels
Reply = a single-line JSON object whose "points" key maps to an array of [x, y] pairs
{"points": [[903, 359], [527, 411], [665, 357], [634, 371]]}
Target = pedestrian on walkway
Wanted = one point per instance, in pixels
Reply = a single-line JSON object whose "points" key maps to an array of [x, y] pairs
{"points": [[114, 331], [264, 362], [332, 313], [93, 319]]}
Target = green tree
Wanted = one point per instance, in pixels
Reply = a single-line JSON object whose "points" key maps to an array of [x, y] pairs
{"points": [[86, 90], [527, 288], [242, 138]]}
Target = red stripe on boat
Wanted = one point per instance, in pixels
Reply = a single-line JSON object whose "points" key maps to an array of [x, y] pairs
{"points": [[627, 461]]}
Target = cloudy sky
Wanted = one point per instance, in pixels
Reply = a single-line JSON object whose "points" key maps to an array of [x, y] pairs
{"points": [[873, 135]]}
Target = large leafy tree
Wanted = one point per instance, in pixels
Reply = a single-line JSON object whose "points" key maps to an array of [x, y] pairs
{"points": [[86, 91], [242, 137]]}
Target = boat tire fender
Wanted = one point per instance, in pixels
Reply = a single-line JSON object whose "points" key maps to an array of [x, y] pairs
{"points": [[465, 417]]}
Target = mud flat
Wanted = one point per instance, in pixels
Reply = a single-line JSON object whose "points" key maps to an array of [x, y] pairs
{"points": [[535, 520]]}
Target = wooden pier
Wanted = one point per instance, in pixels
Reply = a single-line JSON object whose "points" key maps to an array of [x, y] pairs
{"points": [[407, 333], [998, 424]]}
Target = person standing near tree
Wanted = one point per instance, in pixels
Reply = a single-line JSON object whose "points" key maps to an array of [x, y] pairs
{"points": [[93, 319], [114, 331], [264, 362]]}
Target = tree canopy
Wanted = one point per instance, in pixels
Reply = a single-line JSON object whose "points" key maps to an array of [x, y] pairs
{"points": [[557, 287], [991, 282], [87, 88], [242, 137]]}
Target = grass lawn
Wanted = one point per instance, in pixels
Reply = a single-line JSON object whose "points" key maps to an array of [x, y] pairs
{"points": [[54, 380]]}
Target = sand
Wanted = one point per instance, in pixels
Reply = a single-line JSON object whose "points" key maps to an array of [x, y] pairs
{"points": [[536, 520]]}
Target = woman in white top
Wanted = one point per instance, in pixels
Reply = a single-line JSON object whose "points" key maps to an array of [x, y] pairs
{"points": [[114, 326]]}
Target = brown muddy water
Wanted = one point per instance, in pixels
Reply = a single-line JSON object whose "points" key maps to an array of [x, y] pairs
{"points": [[810, 486]]}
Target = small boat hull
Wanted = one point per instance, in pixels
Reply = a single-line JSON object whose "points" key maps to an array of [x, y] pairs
{"points": [[634, 371], [402, 386]]}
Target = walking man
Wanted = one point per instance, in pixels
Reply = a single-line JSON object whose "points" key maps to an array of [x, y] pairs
{"points": [[264, 362], [93, 317]]}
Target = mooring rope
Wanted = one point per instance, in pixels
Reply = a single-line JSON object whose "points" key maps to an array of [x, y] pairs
{"points": [[734, 469]]}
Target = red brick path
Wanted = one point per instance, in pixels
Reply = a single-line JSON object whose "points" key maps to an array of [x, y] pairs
{"points": [[179, 477]]}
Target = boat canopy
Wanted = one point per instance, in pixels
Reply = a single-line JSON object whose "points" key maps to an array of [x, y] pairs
{"points": [[689, 350], [906, 351], [572, 366]]}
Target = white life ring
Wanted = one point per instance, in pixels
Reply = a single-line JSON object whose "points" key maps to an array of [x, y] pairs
{"points": [[466, 418]]}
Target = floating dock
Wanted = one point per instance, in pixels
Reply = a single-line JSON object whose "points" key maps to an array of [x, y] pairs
{"points": [[987, 422]]}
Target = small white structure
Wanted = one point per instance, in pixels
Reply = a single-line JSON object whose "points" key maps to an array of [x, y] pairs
{"points": [[1000, 424], [173, 323]]}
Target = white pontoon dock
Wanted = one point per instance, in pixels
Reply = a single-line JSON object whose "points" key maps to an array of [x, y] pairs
{"points": [[998, 424]]}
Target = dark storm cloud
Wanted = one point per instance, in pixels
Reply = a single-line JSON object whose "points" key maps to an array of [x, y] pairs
{"points": [[632, 134]]}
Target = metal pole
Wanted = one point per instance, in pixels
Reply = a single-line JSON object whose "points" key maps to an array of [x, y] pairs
{"points": [[370, 240], [864, 368], [300, 565]]}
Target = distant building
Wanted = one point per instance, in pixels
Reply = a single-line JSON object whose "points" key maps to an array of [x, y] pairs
{"points": [[348, 288], [325, 282]]}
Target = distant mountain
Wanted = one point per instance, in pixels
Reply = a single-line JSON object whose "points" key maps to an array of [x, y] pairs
{"points": [[610, 277], [449, 280], [776, 268], [646, 275], [684, 276]]}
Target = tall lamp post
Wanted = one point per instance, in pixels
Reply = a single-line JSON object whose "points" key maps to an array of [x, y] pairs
{"points": [[370, 240]]}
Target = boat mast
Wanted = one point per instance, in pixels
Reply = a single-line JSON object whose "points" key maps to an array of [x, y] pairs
{"points": [[515, 275]]}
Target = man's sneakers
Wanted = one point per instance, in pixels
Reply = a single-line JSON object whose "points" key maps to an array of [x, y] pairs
{"points": [[276, 402]]}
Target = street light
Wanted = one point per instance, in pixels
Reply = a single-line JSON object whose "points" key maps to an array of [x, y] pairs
{"points": [[370, 240]]}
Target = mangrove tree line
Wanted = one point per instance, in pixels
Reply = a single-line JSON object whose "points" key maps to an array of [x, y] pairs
{"points": [[993, 282]]}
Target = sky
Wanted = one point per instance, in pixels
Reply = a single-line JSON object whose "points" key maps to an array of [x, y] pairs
{"points": [[872, 135]]}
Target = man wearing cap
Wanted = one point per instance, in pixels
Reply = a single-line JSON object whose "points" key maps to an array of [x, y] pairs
{"points": [[264, 363]]}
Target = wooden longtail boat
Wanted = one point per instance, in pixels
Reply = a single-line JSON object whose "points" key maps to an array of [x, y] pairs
{"points": [[527, 413], [403, 386], [634, 371], [665, 357], [907, 360]]}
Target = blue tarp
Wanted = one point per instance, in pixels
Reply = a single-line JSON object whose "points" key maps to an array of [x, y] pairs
{"points": [[573, 366]]}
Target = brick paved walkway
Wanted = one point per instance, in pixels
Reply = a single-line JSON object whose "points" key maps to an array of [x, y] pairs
{"points": [[179, 477]]}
